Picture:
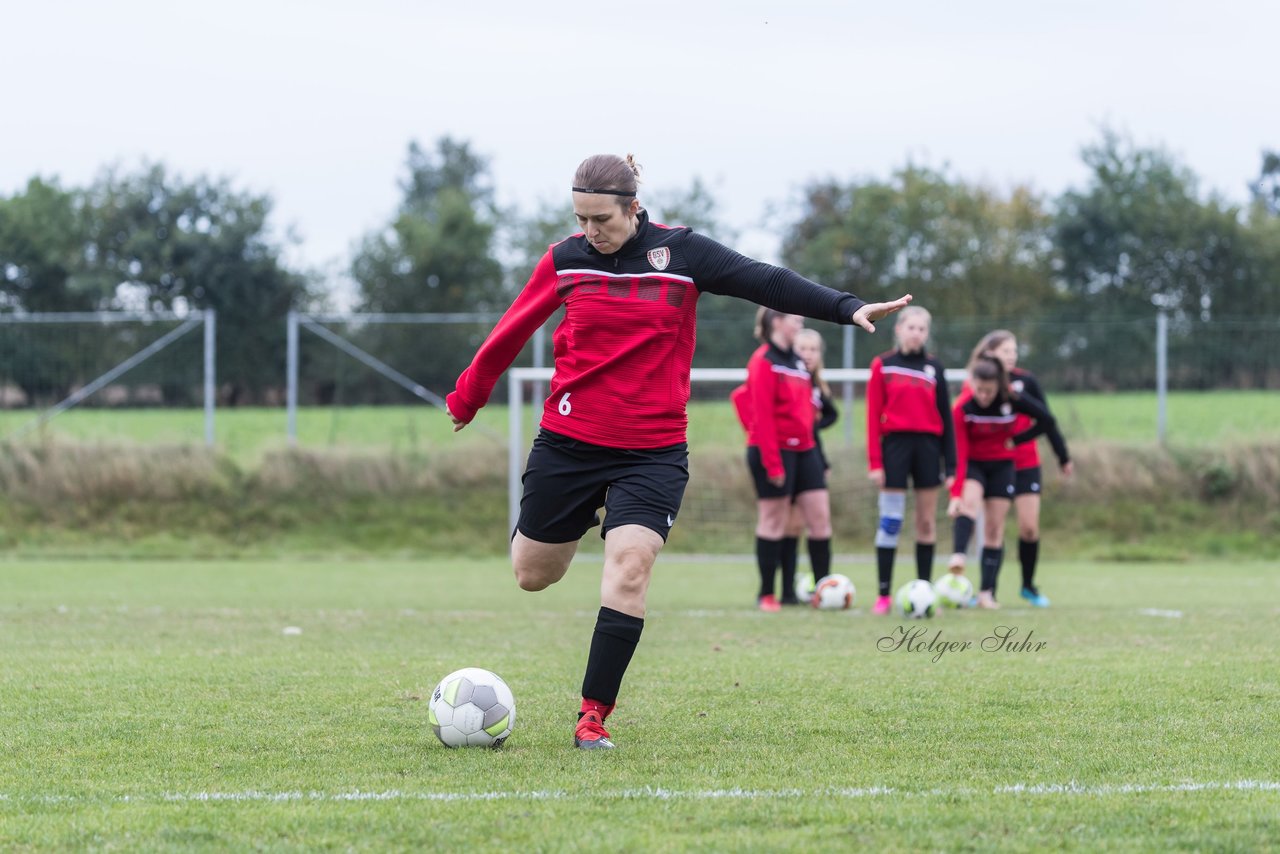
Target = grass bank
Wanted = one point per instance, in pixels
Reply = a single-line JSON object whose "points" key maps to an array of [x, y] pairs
{"points": [[88, 499]]}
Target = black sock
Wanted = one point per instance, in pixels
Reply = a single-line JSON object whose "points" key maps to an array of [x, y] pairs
{"points": [[962, 532], [924, 561], [767, 562], [820, 557], [612, 646], [884, 568], [1028, 554], [789, 557], [991, 560]]}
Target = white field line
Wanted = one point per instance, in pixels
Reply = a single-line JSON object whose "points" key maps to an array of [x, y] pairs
{"points": [[653, 793], [1158, 612]]}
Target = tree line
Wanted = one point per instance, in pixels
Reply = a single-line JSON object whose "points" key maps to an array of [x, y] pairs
{"points": [[1079, 276]]}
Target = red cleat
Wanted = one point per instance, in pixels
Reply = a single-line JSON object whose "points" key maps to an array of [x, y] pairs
{"points": [[769, 603], [591, 734]]}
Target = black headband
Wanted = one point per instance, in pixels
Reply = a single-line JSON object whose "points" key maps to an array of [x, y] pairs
{"points": [[605, 192]]}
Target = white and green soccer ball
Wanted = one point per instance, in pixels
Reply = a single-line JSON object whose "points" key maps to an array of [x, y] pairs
{"points": [[472, 707], [954, 591], [916, 600], [833, 593], [804, 586]]}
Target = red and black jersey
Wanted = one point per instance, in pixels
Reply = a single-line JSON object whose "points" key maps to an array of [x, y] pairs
{"points": [[907, 393], [624, 348], [779, 404], [989, 433], [825, 412], [1027, 455]]}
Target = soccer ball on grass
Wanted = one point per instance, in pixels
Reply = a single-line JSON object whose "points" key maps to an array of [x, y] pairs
{"points": [[916, 599], [833, 593], [472, 707], [954, 591]]}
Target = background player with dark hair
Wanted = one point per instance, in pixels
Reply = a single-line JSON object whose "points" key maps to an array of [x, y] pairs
{"points": [[782, 455], [613, 427], [984, 416], [909, 436], [810, 347], [1027, 476]]}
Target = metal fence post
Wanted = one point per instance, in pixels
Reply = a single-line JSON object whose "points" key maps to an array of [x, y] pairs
{"points": [[1162, 376], [291, 376], [847, 351], [210, 373]]}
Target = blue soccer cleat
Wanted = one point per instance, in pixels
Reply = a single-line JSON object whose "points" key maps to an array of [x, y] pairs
{"points": [[1035, 597]]}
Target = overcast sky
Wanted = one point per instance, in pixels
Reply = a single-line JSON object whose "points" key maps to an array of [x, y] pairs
{"points": [[315, 102]]}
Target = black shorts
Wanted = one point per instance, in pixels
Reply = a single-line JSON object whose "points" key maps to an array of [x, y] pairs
{"points": [[805, 471], [566, 481], [996, 477], [1027, 481], [918, 455]]}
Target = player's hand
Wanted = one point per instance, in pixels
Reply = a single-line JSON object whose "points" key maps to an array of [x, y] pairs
{"points": [[778, 480], [949, 482], [953, 507], [876, 476], [873, 311], [458, 423], [1068, 469]]}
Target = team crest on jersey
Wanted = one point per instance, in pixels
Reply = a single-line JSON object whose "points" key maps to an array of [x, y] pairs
{"points": [[1006, 409], [659, 258], [1017, 386], [930, 371]]}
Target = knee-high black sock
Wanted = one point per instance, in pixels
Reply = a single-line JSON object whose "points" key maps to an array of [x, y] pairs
{"points": [[884, 568], [924, 561], [991, 560], [962, 532], [612, 646], [1028, 554], [767, 562], [789, 556], [820, 557]]}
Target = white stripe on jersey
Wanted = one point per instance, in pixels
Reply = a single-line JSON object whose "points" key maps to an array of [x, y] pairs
{"points": [[649, 274], [792, 372], [990, 419], [907, 372]]}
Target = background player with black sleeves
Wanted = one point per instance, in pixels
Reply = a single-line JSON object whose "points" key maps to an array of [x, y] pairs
{"points": [[786, 465], [1027, 480], [985, 415], [613, 426], [909, 436]]}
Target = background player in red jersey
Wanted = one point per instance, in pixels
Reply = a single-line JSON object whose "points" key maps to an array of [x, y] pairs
{"points": [[782, 455], [613, 426], [909, 435], [1002, 344], [810, 347], [984, 417]]}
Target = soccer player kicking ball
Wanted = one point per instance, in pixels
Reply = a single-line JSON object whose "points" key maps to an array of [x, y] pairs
{"points": [[613, 427]]}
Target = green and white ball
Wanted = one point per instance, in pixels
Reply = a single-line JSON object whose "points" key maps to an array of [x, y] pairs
{"points": [[954, 591], [916, 600], [472, 707], [804, 586]]}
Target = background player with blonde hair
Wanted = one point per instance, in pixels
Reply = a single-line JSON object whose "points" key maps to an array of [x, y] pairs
{"points": [[909, 438]]}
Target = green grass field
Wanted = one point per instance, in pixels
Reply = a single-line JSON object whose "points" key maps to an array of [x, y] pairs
{"points": [[160, 706], [1194, 418]]}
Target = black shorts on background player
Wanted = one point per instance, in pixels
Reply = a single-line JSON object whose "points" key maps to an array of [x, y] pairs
{"points": [[1027, 481], [805, 471], [996, 477], [568, 480], [918, 455]]}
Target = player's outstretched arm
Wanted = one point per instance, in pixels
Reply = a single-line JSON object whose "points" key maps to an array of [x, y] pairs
{"points": [[873, 311]]}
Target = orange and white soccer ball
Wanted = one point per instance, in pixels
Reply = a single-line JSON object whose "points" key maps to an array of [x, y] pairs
{"points": [[833, 593]]}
